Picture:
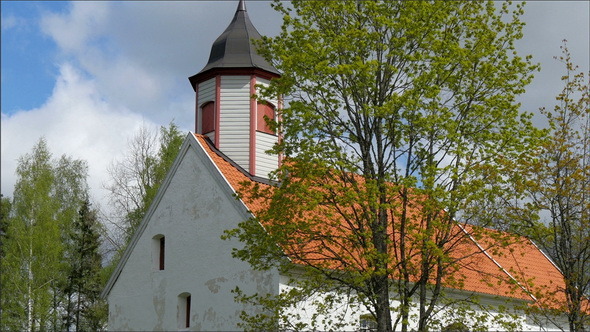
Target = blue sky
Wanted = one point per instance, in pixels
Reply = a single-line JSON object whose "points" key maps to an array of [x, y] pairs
{"points": [[87, 75], [28, 55]]}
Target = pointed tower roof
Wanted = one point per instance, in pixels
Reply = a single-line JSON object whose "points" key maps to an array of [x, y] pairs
{"points": [[234, 48]]}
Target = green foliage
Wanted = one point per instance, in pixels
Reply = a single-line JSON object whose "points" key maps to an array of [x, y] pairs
{"points": [[396, 112], [33, 254], [47, 196], [557, 215], [5, 208]]}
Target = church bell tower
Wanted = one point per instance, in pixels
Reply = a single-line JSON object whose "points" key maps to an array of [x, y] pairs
{"points": [[225, 110]]}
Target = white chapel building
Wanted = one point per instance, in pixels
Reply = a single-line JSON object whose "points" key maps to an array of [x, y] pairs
{"points": [[177, 273]]}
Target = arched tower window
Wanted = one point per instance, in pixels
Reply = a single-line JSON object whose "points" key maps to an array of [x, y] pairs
{"points": [[265, 110], [208, 117]]}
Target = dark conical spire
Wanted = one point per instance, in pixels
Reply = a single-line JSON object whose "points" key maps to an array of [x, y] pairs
{"points": [[242, 6], [234, 48]]}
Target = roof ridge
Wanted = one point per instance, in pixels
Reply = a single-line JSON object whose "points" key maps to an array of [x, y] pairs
{"points": [[485, 252]]}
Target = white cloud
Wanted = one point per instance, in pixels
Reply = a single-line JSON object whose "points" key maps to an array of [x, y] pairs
{"points": [[140, 54], [123, 64], [74, 30], [10, 22], [75, 121]]}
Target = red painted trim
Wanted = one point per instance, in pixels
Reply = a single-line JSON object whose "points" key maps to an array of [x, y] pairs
{"points": [[197, 109], [201, 77], [217, 108], [279, 132], [253, 125]]}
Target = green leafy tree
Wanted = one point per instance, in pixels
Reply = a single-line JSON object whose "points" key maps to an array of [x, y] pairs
{"points": [[5, 209], [559, 197], [397, 111], [28, 273], [46, 197]]}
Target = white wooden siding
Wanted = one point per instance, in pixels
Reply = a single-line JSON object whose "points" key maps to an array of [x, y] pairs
{"points": [[265, 163], [207, 91], [234, 126]]}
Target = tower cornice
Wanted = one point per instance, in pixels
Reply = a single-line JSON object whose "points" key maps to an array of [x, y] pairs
{"points": [[203, 76]]}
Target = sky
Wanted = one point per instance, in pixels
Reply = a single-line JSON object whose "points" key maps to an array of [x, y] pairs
{"points": [[87, 75]]}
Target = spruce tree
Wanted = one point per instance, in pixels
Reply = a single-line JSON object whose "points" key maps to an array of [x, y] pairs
{"points": [[84, 307], [5, 207]]}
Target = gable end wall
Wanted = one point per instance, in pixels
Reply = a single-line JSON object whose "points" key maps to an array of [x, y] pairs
{"points": [[191, 211]]}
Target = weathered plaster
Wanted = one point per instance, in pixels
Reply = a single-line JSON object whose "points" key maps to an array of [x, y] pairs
{"points": [[192, 211]]}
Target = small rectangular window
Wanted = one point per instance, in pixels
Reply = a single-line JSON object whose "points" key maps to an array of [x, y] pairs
{"points": [[188, 311], [184, 311], [162, 250]]}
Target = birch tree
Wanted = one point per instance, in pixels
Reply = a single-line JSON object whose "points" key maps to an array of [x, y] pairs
{"points": [[46, 197]]}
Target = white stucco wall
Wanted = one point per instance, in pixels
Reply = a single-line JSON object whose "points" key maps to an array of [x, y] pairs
{"points": [[486, 315], [193, 210]]}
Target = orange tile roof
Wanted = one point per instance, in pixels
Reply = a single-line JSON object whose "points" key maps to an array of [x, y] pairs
{"points": [[515, 269]]}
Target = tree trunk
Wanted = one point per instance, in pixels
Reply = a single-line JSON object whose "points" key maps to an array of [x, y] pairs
{"points": [[383, 310], [78, 311], [29, 326]]}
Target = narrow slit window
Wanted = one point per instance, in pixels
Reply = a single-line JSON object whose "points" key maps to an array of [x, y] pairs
{"points": [[158, 252], [162, 252], [188, 312], [184, 311]]}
